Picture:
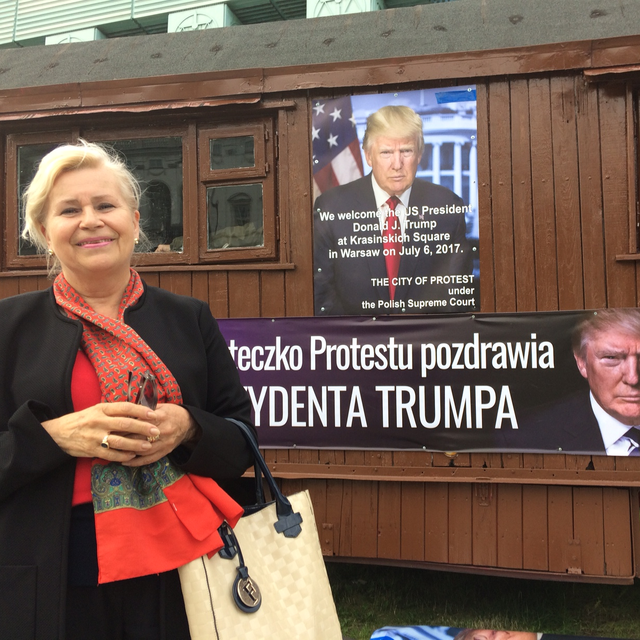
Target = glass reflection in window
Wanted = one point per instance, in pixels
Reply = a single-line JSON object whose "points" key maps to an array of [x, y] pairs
{"points": [[29, 157], [157, 164], [231, 153], [235, 216], [466, 153]]}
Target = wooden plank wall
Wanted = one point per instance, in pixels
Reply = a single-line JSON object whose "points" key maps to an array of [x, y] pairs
{"points": [[555, 187], [575, 531]]}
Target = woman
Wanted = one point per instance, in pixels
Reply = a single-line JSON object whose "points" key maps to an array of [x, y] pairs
{"points": [[72, 357]]}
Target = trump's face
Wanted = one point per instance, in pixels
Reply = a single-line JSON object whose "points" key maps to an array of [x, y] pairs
{"points": [[610, 361], [394, 162]]}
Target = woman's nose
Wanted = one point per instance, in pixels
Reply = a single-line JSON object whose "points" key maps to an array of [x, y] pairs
{"points": [[90, 218]]}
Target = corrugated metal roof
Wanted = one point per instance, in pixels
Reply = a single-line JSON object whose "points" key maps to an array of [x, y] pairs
{"points": [[7, 19], [39, 18], [254, 11]]}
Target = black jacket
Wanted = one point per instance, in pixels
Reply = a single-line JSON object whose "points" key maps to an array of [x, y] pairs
{"points": [[38, 347], [567, 425]]}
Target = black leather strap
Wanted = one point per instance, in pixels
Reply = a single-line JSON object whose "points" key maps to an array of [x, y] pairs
{"points": [[288, 522]]}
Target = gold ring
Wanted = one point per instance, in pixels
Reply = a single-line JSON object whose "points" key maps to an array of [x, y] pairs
{"points": [[153, 438], [105, 442]]}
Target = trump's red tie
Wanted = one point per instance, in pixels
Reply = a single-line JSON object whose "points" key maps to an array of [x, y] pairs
{"points": [[392, 243]]}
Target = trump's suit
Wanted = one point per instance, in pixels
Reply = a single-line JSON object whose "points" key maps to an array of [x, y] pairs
{"points": [[566, 426], [349, 264]]}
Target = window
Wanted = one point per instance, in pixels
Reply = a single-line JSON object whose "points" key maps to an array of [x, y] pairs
{"points": [[237, 192], [449, 164], [23, 157], [157, 164], [208, 189]]}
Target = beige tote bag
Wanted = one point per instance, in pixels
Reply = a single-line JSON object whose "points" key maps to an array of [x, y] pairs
{"points": [[270, 581]]}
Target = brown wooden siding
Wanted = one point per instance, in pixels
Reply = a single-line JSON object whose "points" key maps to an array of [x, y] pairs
{"points": [[562, 531], [557, 160]]}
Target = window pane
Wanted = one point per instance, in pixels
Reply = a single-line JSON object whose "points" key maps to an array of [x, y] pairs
{"points": [[157, 164], [426, 163], [465, 187], [234, 216], [447, 181], [446, 156], [29, 157], [231, 153], [466, 151]]}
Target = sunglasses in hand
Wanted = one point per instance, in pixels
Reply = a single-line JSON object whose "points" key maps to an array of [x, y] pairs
{"points": [[144, 391]]}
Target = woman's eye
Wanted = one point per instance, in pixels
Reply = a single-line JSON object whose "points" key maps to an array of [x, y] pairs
{"points": [[105, 205]]}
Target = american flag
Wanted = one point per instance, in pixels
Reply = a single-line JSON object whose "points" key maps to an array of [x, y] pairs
{"points": [[336, 150]]}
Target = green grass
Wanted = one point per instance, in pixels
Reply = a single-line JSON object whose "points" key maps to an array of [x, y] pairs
{"points": [[370, 597]]}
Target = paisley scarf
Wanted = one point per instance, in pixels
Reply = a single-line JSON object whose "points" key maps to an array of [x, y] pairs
{"points": [[154, 518]]}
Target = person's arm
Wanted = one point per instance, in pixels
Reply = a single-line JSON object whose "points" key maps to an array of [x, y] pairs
{"points": [[39, 431], [36, 441], [199, 437], [115, 431], [27, 452], [221, 450]]}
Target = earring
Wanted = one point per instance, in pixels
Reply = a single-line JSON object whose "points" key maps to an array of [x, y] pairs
{"points": [[136, 241], [50, 252]]}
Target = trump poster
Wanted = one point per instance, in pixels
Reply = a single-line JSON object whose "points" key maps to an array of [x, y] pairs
{"points": [[396, 203]]}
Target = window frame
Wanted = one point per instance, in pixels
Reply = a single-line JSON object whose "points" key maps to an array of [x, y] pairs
{"points": [[262, 172], [12, 257], [195, 128]]}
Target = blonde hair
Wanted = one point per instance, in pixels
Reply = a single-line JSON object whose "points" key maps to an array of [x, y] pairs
{"points": [[395, 122], [71, 157]]}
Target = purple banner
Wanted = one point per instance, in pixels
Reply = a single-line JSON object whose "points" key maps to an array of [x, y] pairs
{"points": [[485, 382]]}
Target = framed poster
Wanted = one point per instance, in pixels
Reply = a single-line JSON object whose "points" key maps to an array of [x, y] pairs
{"points": [[396, 203]]}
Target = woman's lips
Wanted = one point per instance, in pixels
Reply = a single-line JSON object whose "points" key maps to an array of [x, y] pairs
{"points": [[95, 242]]}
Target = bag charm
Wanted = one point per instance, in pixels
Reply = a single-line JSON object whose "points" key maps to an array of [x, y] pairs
{"points": [[246, 593]]}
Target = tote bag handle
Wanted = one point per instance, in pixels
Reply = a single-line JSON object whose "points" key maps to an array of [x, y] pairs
{"points": [[288, 522]]}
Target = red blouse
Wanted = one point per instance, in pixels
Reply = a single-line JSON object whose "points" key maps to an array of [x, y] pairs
{"points": [[85, 392]]}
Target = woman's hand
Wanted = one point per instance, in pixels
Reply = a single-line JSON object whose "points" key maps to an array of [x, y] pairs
{"points": [[176, 426], [126, 425]]}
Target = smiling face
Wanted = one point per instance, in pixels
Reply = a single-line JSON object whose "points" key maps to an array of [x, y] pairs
{"points": [[89, 226], [610, 361], [394, 162]]}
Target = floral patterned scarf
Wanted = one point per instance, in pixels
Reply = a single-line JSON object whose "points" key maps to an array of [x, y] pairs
{"points": [[154, 518]]}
